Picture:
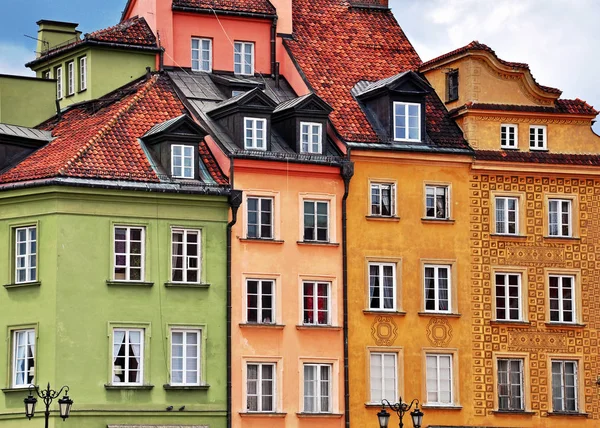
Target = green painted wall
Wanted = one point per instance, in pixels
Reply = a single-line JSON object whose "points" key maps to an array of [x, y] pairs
{"points": [[73, 306], [26, 101]]}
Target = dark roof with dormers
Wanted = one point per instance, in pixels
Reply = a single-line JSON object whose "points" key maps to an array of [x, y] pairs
{"points": [[563, 106], [100, 139], [537, 157], [263, 7], [133, 33], [336, 46]]}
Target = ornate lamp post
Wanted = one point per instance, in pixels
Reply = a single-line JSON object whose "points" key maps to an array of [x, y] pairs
{"points": [[400, 408], [48, 395]]}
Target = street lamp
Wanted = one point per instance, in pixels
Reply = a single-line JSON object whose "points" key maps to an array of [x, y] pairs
{"points": [[400, 408], [48, 395]]}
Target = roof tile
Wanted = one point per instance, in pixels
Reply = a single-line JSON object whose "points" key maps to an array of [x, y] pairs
{"points": [[537, 157], [563, 106], [250, 6]]}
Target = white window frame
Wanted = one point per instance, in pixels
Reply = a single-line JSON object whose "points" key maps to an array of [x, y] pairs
{"points": [[563, 386], [406, 121], [315, 219], [507, 298], [70, 77], [83, 73], [505, 141], [30, 344], [29, 258], [384, 377], [436, 188], [561, 299], [186, 258], [128, 253], [380, 266], [315, 309], [259, 386], [59, 82], [183, 156], [185, 356], [436, 288], [260, 319], [200, 49], [313, 129], [259, 212], [252, 143], [240, 47], [559, 217], [437, 378], [317, 384], [502, 214], [508, 376], [126, 369], [379, 187], [537, 129]]}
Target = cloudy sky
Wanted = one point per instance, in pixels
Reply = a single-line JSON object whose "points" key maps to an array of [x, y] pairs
{"points": [[559, 39]]}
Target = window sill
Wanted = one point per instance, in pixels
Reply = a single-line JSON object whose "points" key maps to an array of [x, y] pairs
{"points": [[379, 312], [511, 323], [185, 285], [562, 238], [513, 412], [533, 149], [322, 243], [383, 218], [508, 236], [439, 314], [82, 90], [437, 220], [23, 284], [262, 415], [16, 389], [509, 148], [319, 415], [564, 325], [442, 406], [568, 414], [263, 240], [186, 387], [114, 386], [111, 282], [373, 405], [69, 95], [318, 327], [262, 325]]}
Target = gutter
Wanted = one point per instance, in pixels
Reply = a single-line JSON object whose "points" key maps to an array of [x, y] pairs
{"points": [[274, 71]]}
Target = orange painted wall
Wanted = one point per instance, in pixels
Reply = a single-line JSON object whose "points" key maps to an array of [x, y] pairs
{"points": [[288, 262]]}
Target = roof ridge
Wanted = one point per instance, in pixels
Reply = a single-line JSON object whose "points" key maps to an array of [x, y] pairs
{"points": [[102, 131]]}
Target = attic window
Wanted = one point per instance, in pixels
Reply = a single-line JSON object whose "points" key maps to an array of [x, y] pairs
{"points": [[452, 85], [255, 133], [182, 161], [407, 121], [311, 137]]}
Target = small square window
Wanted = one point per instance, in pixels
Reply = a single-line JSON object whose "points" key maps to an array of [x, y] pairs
{"points": [[243, 58], [383, 199], [259, 217], [255, 133], [311, 137], [384, 377], [260, 387], [182, 161], [452, 85], [507, 216], [537, 137], [316, 221], [562, 298], [23, 358], [260, 297], [83, 73], [437, 202], [382, 286], [70, 78], [129, 245], [560, 217], [509, 136], [186, 255], [439, 379], [316, 303], [508, 297], [47, 74], [407, 121], [564, 386], [437, 288], [317, 388], [26, 254], [510, 384], [185, 357], [201, 54], [128, 356]]}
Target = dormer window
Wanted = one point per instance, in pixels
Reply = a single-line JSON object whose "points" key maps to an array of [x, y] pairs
{"points": [[407, 121], [243, 58], [255, 131], [182, 161], [311, 137]]}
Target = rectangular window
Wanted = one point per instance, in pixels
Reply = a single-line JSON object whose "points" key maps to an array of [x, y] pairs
{"points": [[382, 286], [316, 221], [260, 387], [562, 298], [407, 121], [182, 161], [202, 55], [509, 137], [383, 199], [59, 82], [260, 294], [317, 388], [70, 78], [255, 133], [185, 357], [260, 217], [185, 259], [243, 58], [25, 254], [439, 379], [47, 74], [315, 303], [311, 137], [452, 85], [559, 217], [129, 253], [437, 288], [128, 356], [564, 386], [537, 137], [83, 73], [436, 202], [384, 377], [508, 297], [510, 384], [23, 358], [507, 216]]}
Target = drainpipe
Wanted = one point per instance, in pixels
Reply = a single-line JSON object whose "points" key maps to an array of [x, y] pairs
{"points": [[273, 46], [235, 200], [347, 171]]}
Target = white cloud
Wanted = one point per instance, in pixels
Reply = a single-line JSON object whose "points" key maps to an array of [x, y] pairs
{"points": [[14, 58]]}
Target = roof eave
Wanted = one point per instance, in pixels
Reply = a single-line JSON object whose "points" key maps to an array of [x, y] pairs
{"points": [[224, 12]]}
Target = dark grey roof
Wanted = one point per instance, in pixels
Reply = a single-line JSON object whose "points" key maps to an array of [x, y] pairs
{"points": [[23, 132], [291, 103], [364, 86], [233, 100], [158, 128]]}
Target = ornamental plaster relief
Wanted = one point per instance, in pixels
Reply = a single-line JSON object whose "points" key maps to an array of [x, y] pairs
{"points": [[384, 330]]}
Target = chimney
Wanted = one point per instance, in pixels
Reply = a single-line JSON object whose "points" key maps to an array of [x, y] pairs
{"points": [[370, 4], [54, 33], [284, 16]]}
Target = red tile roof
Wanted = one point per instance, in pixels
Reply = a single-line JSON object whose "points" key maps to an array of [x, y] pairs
{"points": [[563, 106], [537, 157], [336, 46], [249, 6], [99, 139]]}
